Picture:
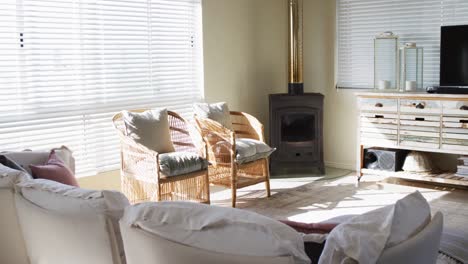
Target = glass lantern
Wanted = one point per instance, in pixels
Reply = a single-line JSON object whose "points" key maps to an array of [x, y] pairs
{"points": [[411, 70], [386, 62]]}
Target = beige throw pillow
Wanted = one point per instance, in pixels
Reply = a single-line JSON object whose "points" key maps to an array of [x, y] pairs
{"points": [[150, 128], [218, 112]]}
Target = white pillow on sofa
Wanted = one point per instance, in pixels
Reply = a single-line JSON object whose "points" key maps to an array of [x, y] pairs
{"points": [[65, 224], [12, 247], [411, 215], [364, 237], [217, 229]]}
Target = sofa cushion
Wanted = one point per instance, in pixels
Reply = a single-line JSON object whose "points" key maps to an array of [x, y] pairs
{"points": [[12, 248], [218, 112], [251, 149], [364, 237], [150, 128], [27, 157], [54, 170], [217, 229], [65, 224], [178, 163], [411, 215]]}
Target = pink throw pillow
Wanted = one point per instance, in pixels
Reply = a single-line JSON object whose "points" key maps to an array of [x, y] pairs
{"points": [[54, 170]]}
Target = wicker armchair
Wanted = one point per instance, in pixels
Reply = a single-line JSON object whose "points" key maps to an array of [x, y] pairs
{"points": [[141, 177], [224, 169]]}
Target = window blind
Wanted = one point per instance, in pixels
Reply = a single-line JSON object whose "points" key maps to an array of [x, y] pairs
{"points": [[358, 22], [66, 66]]}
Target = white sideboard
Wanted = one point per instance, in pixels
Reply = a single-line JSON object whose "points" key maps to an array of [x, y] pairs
{"points": [[413, 121]]}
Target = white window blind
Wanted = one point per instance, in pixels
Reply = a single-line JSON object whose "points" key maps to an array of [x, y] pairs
{"points": [[66, 66], [359, 21]]}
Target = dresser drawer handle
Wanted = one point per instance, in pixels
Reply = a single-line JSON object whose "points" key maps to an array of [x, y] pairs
{"points": [[420, 119], [464, 121], [378, 105], [379, 116], [420, 106], [464, 107]]}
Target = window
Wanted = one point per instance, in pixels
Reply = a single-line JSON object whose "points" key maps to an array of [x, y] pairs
{"points": [[358, 22], [66, 66]]}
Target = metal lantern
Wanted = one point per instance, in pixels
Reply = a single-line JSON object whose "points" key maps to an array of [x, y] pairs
{"points": [[386, 61], [411, 69]]}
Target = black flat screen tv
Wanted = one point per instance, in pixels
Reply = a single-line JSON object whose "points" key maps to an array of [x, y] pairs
{"points": [[454, 56]]}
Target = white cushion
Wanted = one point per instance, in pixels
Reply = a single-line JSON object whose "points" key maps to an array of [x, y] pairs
{"points": [[142, 247], [65, 224], [364, 237], [150, 128], [26, 158], [12, 248], [411, 215], [251, 149], [217, 229], [218, 112]]}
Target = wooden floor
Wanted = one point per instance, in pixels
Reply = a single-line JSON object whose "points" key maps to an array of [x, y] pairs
{"points": [[307, 200]]}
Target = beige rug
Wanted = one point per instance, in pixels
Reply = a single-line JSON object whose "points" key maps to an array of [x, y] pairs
{"points": [[308, 200]]}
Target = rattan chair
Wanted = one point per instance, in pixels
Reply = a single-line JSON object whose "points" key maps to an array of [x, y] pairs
{"points": [[141, 177], [224, 169]]}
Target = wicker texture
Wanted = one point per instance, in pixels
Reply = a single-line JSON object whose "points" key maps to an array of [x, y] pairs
{"points": [[140, 175], [221, 152]]}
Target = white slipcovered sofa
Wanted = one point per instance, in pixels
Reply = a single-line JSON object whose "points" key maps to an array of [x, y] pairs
{"points": [[12, 247], [45, 222]]}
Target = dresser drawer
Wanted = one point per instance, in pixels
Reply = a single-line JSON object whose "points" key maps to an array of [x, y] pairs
{"points": [[420, 130], [379, 120], [455, 144], [455, 108], [379, 129], [378, 105], [455, 133], [420, 106], [419, 141], [420, 121], [371, 139], [455, 122]]}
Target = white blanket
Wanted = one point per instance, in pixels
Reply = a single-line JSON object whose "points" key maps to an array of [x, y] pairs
{"points": [[363, 238]]}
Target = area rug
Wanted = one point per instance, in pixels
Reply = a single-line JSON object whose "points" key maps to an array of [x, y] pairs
{"points": [[303, 200]]}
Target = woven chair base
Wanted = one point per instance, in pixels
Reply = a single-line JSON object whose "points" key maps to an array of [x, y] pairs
{"points": [[246, 174], [189, 187]]}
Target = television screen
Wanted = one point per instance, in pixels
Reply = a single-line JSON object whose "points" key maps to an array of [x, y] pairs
{"points": [[454, 56]]}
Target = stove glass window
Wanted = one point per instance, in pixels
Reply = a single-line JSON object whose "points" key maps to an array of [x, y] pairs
{"points": [[297, 127]]}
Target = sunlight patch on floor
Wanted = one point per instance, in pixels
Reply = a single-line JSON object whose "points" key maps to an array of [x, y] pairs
{"points": [[335, 197]]}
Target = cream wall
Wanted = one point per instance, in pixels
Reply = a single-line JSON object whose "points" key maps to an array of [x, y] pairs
{"points": [[230, 36], [246, 59]]}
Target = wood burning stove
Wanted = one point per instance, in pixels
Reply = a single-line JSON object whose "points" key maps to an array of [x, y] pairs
{"points": [[296, 118], [296, 125]]}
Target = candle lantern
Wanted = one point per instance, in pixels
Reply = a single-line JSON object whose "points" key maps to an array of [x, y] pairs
{"points": [[411, 69], [386, 61]]}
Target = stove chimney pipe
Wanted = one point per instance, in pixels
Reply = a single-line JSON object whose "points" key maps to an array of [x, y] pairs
{"points": [[296, 82]]}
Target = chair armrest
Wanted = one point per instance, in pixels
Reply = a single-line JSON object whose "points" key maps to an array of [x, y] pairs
{"points": [[251, 124], [220, 142], [138, 160]]}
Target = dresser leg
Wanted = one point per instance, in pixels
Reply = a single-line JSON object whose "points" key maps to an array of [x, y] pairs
{"points": [[361, 162]]}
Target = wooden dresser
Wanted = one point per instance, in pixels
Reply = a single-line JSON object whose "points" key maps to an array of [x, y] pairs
{"points": [[414, 121]]}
